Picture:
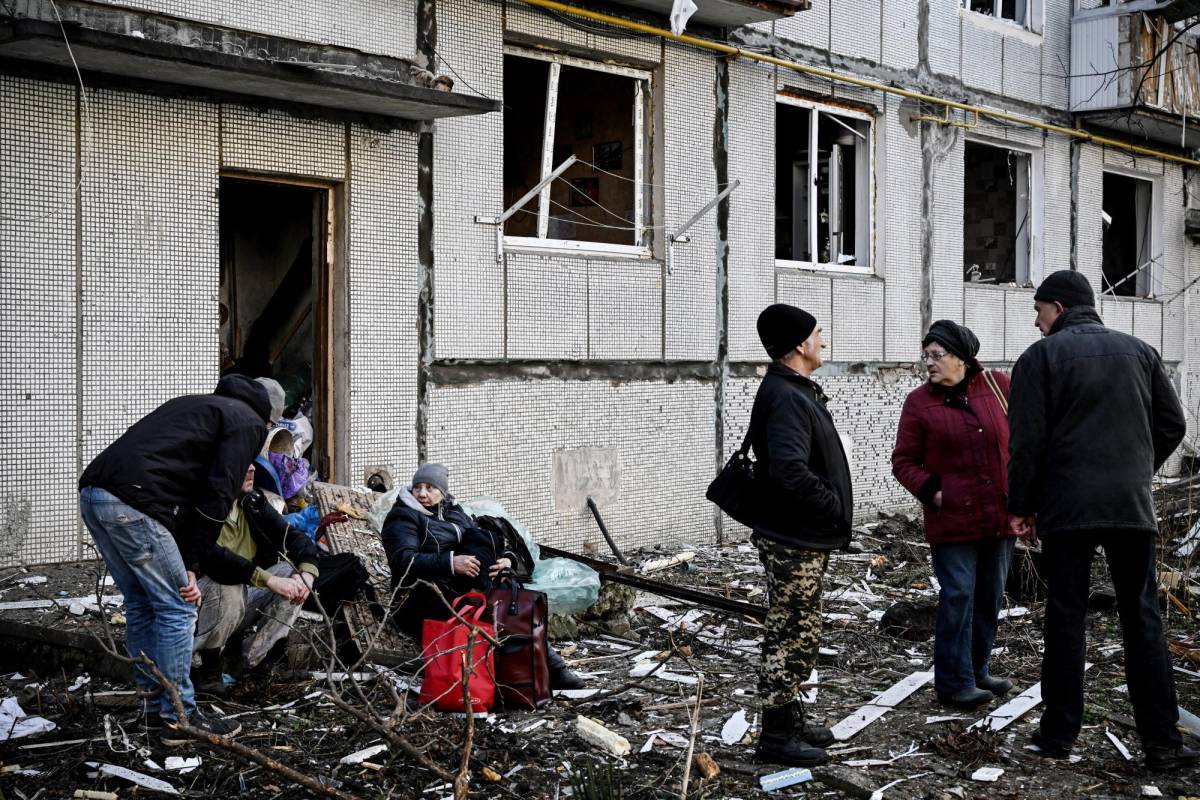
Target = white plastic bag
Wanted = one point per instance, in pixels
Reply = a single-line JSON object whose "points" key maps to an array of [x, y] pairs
{"points": [[570, 587]]}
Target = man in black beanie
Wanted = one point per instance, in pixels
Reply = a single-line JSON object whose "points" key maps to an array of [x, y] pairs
{"points": [[1093, 416], [806, 511]]}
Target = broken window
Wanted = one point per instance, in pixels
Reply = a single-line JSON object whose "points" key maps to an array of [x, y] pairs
{"points": [[822, 185], [1127, 216], [1017, 11], [997, 217], [557, 107]]}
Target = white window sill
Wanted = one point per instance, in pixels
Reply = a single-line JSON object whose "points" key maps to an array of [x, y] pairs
{"points": [[1004, 27], [848, 269], [574, 249]]}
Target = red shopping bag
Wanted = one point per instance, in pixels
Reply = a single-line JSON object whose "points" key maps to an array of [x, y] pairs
{"points": [[444, 649]]}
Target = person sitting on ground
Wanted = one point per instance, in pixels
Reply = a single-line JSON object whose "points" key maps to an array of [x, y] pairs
{"points": [[428, 537], [254, 583]]}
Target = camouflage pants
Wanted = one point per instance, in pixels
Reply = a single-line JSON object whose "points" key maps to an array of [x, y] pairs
{"points": [[793, 623]]}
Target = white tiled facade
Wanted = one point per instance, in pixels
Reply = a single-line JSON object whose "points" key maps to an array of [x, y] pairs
{"points": [[109, 292]]}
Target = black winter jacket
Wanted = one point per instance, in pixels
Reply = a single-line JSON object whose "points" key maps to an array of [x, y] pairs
{"points": [[183, 463], [800, 465], [1093, 416], [420, 545], [274, 539]]}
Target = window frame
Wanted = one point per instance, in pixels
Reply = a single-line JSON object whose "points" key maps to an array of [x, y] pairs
{"points": [[868, 218], [1154, 273], [1035, 11], [1035, 260], [641, 143]]}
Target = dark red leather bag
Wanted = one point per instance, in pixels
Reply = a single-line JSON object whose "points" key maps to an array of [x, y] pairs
{"points": [[520, 617]]}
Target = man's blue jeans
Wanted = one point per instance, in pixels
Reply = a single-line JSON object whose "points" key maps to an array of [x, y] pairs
{"points": [[144, 561], [972, 576]]}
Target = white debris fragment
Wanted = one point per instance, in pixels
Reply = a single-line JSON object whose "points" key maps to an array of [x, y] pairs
{"points": [[575, 694], [182, 765], [1151, 791], [594, 733], [32, 580], [987, 774], [809, 697], [1117, 743], [80, 682], [363, 755], [77, 609], [1013, 613], [14, 724], [947, 718], [664, 563], [144, 781], [735, 728]]}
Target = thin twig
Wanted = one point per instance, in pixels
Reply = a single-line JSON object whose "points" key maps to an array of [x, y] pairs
{"points": [[687, 765]]}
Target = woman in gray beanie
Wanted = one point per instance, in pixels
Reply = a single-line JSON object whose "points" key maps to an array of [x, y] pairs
{"points": [[428, 536]]}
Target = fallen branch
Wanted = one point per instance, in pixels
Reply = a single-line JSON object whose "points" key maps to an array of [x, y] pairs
{"points": [[237, 748], [687, 762], [402, 744], [462, 781]]}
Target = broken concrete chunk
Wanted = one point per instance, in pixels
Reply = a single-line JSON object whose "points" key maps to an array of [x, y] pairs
{"points": [[182, 765], [594, 733], [735, 728], [1151, 791], [987, 774]]}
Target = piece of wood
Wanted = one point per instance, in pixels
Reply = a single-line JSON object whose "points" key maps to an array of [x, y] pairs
{"points": [[359, 537], [880, 705], [1016, 708]]}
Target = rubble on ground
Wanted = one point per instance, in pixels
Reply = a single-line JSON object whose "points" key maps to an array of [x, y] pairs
{"points": [[628, 734]]}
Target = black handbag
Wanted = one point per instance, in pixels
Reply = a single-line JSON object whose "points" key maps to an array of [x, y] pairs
{"points": [[736, 489]]}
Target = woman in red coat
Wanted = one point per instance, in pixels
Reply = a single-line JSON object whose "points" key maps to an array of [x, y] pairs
{"points": [[952, 454]]}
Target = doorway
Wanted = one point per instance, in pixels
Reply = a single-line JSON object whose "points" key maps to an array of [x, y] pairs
{"points": [[275, 298]]}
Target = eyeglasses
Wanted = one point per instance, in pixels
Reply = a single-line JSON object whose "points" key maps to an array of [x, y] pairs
{"points": [[934, 355]]}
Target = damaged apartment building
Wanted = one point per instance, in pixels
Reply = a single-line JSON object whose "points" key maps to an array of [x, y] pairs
{"points": [[530, 240]]}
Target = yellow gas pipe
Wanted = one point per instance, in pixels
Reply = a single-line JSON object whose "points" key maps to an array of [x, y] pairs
{"points": [[737, 52]]}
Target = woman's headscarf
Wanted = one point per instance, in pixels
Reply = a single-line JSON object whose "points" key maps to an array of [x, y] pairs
{"points": [[957, 339]]}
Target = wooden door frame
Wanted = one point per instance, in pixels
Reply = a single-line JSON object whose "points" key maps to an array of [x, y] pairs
{"points": [[330, 312]]}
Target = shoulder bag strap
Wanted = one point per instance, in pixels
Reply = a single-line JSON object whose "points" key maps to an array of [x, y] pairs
{"points": [[995, 387]]}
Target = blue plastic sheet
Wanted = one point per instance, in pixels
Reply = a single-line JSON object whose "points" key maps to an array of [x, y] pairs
{"points": [[307, 520]]}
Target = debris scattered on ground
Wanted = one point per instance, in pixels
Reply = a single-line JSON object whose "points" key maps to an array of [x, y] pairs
{"points": [[643, 658]]}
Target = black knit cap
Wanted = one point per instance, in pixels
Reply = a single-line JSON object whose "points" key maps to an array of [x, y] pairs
{"points": [[1067, 287], [781, 327], [957, 339]]}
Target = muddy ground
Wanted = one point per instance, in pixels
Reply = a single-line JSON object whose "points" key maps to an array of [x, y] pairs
{"points": [[287, 715]]}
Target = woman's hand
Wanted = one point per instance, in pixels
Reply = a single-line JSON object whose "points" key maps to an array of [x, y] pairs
{"points": [[466, 565], [498, 565], [937, 499]]}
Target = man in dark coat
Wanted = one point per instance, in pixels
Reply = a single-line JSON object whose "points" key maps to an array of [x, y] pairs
{"points": [[1093, 416], [806, 510], [154, 502]]}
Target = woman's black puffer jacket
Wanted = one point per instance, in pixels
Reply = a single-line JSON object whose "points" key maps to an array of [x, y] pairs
{"points": [[421, 543]]}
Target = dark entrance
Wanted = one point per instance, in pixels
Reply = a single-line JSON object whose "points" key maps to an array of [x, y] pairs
{"points": [[274, 296]]}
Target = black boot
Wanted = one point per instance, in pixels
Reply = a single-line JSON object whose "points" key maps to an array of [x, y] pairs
{"points": [[561, 676], [208, 678], [781, 740], [816, 735]]}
